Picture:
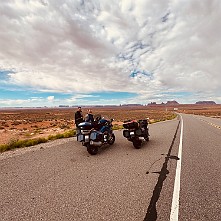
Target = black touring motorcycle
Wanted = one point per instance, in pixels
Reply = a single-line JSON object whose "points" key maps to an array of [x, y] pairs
{"points": [[136, 132], [94, 135]]}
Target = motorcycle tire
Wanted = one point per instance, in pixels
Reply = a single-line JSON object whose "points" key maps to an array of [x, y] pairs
{"points": [[137, 144], [92, 150], [147, 138], [112, 139]]}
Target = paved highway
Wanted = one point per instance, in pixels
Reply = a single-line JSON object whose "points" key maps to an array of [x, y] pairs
{"points": [[61, 181], [200, 194]]}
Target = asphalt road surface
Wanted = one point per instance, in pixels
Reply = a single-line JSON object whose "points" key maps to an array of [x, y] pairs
{"points": [[59, 180]]}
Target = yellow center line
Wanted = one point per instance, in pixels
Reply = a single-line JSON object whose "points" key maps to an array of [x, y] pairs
{"points": [[212, 124]]}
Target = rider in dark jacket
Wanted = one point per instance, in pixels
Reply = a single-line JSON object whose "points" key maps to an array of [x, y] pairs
{"points": [[78, 117], [89, 116]]}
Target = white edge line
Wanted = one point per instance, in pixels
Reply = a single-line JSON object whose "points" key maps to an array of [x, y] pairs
{"points": [[176, 192]]}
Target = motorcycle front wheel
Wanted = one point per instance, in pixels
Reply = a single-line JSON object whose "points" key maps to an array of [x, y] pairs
{"points": [[92, 149], [147, 138], [112, 139], [137, 144]]}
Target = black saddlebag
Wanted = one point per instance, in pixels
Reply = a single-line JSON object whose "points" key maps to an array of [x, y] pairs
{"points": [[126, 133], [143, 123], [130, 125]]}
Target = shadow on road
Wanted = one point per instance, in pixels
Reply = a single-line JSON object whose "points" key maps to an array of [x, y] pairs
{"points": [[151, 214]]}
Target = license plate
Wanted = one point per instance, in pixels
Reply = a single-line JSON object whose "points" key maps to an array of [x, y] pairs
{"points": [[132, 133]]}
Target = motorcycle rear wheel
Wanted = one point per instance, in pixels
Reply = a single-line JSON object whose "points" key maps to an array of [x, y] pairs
{"points": [[92, 149]]}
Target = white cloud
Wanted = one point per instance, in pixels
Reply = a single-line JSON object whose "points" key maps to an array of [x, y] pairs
{"points": [[50, 98], [78, 98], [90, 46], [12, 102], [21, 102]]}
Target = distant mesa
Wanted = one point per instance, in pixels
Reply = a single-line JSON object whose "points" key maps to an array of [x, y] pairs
{"points": [[63, 106], [174, 103], [171, 103], [206, 102], [152, 103], [131, 105]]}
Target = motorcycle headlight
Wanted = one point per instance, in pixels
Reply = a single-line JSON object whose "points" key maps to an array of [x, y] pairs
{"points": [[86, 138]]}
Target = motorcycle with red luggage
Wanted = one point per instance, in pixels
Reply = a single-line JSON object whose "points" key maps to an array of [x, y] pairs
{"points": [[136, 132]]}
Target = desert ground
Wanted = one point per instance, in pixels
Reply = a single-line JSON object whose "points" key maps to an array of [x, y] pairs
{"points": [[27, 123]]}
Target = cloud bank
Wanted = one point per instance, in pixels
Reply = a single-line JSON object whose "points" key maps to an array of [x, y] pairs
{"points": [[146, 47]]}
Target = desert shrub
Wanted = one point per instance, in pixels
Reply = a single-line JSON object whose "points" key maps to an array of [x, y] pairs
{"points": [[54, 137], [28, 135], [3, 147], [64, 126], [13, 143], [36, 141], [69, 133], [66, 134], [170, 117], [21, 143], [117, 127], [59, 136], [51, 137], [38, 130], [16, 123]]}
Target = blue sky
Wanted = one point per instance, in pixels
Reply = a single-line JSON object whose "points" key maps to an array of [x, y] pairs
{"points": [[96, 52]]}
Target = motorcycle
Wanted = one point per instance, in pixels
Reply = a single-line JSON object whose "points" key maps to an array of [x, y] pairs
{"points": [[136, 132], [96, 134]]}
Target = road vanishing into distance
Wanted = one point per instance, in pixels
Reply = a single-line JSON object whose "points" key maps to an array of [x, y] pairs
{"points": [[174, 176]]}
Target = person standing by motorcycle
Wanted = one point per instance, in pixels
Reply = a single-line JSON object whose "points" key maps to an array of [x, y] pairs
{"points": [[89, 116], [78, 118]]}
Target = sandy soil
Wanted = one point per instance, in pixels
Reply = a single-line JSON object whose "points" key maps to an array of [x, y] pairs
{"points": [[10, 135]]}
